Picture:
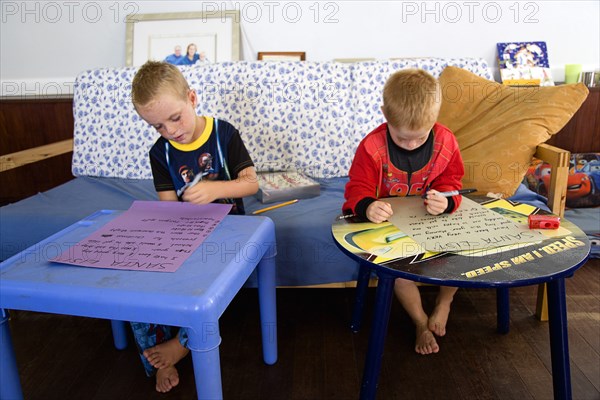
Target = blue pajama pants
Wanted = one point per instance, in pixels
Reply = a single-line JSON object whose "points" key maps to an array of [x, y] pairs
{"points": [[149, 335]]}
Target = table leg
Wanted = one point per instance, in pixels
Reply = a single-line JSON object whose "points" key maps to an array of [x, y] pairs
{"points": [[268, 308], [204, 346], [559, 340], [119, 330], [10, 384], [381, 316], [502, 310], [362, 284]]}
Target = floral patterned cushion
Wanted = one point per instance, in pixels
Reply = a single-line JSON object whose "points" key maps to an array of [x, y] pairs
{"points": [[302, 116], [291, 115], [110, 139]]}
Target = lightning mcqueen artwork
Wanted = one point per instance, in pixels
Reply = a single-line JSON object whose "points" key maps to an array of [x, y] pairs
{"points": [[583, 185]]}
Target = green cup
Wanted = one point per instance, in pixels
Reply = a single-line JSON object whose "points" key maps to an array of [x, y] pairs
{"points": [[572, 72]]}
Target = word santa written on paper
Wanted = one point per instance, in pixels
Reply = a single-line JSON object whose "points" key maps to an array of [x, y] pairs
{"points": [[470, 227], [150, 236]]}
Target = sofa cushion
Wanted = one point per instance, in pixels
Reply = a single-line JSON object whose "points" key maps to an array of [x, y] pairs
{"points": [[498, 127], [291, 115], [110, 139], [301, 116]]}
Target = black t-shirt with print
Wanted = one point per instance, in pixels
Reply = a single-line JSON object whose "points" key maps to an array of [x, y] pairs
{"points": [[218, 154]]}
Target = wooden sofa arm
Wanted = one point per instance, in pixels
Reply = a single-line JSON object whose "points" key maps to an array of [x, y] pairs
{"points": [[557, 196], [35, 154], [559, 161]]}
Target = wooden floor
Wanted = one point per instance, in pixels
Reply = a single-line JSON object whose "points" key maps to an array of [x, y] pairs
{"points": [[63, 357]]}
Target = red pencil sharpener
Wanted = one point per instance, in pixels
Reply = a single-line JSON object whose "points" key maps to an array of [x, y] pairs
{"points": [[544, 222]]}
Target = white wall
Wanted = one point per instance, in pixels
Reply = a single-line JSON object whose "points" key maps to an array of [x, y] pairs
{"points": [[45, 44]]}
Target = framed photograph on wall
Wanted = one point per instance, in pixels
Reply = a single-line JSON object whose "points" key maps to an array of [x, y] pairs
{"points": [[282, 55], [209, 37]]}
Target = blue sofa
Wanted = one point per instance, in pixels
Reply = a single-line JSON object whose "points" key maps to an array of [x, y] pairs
{"points": [[301, 116]]}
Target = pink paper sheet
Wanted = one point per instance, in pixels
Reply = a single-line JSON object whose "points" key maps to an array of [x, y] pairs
{"points": [[153, 236]]}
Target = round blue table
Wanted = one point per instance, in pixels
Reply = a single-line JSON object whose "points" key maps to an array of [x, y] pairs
{"points": [[385, 251]]}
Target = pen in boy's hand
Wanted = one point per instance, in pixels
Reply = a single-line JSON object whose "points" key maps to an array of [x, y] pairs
{"points": [[452, 193], [188, 185]]}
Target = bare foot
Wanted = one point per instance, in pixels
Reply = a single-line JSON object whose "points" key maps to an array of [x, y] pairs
{"points": [[166, 379], [166, 354], [425, 343], [439, 319]]}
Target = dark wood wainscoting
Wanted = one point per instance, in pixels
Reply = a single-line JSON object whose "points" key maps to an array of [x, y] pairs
{"points": [[28, 123], [582, 133]]}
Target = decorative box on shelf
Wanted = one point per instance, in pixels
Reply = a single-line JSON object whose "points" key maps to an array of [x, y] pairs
{"points": [[282, 186]]}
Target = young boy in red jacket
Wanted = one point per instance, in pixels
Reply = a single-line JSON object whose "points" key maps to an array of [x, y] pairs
{"points": [[410, 155]]}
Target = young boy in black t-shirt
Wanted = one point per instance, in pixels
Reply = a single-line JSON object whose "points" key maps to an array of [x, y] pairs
{"points": [[197, 159]]}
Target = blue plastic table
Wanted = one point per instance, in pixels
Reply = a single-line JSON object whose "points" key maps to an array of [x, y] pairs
{"points": [[195, 296], [379, 247]]}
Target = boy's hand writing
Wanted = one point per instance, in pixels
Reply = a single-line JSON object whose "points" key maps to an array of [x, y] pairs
{"points": [[434, 203], [379, 211], [203, 192]]}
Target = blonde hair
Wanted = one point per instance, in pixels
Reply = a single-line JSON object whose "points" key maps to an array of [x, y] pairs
{"points": [[154, 78], [411, 99]]}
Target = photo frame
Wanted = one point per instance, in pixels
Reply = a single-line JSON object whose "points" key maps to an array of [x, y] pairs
{"points": [[282, 55], [352, 60], [155, 36]]}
